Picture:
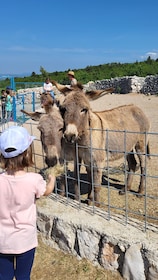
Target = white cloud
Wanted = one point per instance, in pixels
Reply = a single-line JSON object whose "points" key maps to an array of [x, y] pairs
{"points": [[43, 50], [153, 55]]}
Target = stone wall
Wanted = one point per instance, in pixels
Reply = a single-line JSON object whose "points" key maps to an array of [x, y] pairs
{"points": [[110, 244], [147, 85]]}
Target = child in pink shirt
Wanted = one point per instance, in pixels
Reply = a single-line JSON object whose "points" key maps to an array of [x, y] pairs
{"points": [[18, 193]]}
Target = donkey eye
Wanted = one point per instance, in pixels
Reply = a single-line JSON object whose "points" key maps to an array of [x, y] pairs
{"points": [[84, 110]]}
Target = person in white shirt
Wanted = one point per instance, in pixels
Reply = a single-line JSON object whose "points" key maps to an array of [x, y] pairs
{"points": [[71, 76], [48, 87]]}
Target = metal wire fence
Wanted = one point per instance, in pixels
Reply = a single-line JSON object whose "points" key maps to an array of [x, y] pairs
{"points": [[139, 209], [131, 205]]}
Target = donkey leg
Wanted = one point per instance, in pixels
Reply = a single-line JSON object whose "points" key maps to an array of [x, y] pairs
{"points": [[132, 166], [95, 186], [141, 153], [132, 163], [142, 159], [62, 185], [77, 167], [142, 181]]}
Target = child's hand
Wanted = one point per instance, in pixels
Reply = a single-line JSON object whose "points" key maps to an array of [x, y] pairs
{"points": [[51, 177], [50, 184]]}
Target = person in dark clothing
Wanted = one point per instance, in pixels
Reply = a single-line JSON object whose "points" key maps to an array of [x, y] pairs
{"points": [[3, 103]]}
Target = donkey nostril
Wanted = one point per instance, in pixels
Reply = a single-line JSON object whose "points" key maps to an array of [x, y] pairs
{"points": [[70, 138]]}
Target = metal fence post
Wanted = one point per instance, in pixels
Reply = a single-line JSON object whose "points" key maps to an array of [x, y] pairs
{"points": [[33, 101], [12, 83], [14, 108]]}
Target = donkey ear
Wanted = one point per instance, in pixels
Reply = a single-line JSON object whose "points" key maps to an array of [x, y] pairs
{"points": [[94, 94], [62, 88], [35, 116]]}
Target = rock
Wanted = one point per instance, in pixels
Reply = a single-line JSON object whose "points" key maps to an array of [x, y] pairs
{"points": [[133, 266], [108, 257]]}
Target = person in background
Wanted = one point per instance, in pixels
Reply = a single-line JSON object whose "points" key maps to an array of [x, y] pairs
{"points": [[19, 190], [9, 104], [48, 87], [3, 101], [71, 76]]}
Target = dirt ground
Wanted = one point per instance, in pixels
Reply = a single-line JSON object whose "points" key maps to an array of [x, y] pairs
{"points": [[51, 264]]}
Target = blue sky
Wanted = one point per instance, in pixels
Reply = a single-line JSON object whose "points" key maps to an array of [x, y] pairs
{"points": [[60, 35]]}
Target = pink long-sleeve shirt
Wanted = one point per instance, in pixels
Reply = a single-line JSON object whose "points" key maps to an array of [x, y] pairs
{"points": [[18, 195]]}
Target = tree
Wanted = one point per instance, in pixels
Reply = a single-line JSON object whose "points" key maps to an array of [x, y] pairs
{"points": [[43, 72], [149, 60], [33, 74]]}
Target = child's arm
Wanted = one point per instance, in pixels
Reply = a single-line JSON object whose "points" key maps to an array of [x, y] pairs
{"points": [[50, 185]]}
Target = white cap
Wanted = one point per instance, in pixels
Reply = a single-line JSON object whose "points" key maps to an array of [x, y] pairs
{"points": [[15, 138]]}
